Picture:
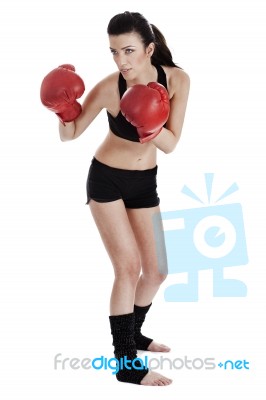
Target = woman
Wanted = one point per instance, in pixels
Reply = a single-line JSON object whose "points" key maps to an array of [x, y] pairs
{"points": [[121, 185]]}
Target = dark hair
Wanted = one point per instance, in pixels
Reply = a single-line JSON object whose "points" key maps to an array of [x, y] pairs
{"points": [[135, 22]]}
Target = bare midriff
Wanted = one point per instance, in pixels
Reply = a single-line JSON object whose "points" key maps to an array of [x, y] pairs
{"points": [[125, 154]]}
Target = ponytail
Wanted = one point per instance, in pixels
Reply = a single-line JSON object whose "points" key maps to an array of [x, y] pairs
{"points": [[162, 55]]}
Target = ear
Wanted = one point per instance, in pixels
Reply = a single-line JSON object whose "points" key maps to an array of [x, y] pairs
{"points": [[150, 49]]}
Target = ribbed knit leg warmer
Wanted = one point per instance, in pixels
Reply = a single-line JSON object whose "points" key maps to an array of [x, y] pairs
{"points": [[122, 329], [142, 342]]}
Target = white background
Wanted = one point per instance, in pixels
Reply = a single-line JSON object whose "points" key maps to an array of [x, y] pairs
{"points": [[55, 275]]}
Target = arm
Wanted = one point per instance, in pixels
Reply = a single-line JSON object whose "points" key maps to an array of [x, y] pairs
{"points": [[59, 92], [91, 107], [168, 138]]}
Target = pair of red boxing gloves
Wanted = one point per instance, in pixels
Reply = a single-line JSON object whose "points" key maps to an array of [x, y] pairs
{"points": [[145, 107]]}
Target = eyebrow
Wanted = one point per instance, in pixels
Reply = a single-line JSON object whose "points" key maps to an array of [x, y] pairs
{"points": [[123, 48]]}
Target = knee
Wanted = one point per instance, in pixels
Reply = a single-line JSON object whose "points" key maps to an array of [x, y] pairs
{"points": [[128, 271], [155, 279]]}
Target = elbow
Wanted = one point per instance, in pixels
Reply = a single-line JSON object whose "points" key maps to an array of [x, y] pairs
{"points": [[64, 138], [169, 142], [166, 149], [169, 150]]}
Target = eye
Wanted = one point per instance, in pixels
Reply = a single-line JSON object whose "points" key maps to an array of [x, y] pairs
{"points": [[129, 51], [114, 52]]}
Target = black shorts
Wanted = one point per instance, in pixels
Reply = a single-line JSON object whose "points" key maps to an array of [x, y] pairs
{"points": [[137, 188]]}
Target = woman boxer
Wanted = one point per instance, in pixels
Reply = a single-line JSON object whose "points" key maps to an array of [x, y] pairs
{"points": [[145, 102]]}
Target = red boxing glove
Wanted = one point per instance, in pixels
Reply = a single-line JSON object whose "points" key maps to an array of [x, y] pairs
{"points": [[59, 91], [147, 108]]}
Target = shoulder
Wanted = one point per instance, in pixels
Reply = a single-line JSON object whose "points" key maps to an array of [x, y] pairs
{"points": [[104, 91], [109, 80], [177, 80], [107, 85]]}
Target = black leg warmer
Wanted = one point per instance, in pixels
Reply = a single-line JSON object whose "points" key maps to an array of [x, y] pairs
{"points": [[142, 342], [122, 329]]}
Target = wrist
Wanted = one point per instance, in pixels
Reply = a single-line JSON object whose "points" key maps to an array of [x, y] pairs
{"points": [[149, 136], [67, 130], [70, 113]]}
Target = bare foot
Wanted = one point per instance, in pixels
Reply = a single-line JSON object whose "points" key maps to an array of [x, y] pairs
{"points": [[158, 347], [154, 379]]}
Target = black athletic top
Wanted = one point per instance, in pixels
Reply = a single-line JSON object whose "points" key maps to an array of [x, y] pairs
{"points": [[119, 125]]}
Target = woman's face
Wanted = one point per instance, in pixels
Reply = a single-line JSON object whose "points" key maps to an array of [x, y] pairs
{"points": [[130, 55]]}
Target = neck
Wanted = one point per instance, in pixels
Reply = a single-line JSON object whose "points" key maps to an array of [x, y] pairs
{"points": [[148, 75]]}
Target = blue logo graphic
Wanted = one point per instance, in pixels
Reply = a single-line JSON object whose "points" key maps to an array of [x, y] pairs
{"points": [[209, 237]]}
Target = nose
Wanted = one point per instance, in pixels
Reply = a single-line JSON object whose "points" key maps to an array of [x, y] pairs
{"points": [[121, 61]]}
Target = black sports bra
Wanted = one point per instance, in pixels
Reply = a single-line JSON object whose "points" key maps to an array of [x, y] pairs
{"points": [[119, 125]]}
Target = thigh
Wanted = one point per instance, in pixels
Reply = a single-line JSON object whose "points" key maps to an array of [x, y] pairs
{"points": [[101, 184], [148, 230], [116, 232]]}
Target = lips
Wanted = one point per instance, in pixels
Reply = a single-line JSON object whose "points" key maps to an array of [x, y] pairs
{"points": [[125, 70]]}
